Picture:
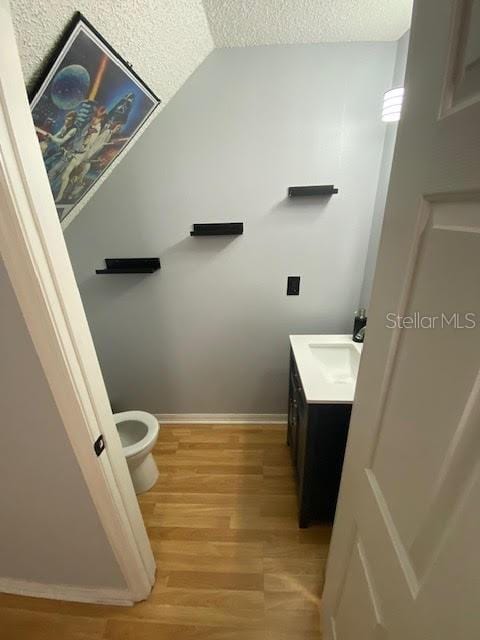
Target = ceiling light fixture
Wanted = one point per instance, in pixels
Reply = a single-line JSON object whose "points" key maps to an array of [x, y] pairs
{"points": [[392, 105]]}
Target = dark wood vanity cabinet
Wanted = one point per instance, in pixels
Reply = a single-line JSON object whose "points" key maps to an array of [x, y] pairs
{"points": [[317, 436]]}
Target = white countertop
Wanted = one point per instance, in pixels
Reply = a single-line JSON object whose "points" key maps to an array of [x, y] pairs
{"points": [[325, 382]]}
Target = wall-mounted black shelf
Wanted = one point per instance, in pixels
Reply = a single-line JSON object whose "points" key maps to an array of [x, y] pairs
{"points": [[218, 229], [318, 190], [130, 265]]}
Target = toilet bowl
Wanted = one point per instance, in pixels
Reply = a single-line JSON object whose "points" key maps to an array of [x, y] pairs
{"points": [[138, 433]]}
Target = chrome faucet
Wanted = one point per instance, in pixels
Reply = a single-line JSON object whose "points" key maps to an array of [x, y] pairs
{"points": [[360, 335]]}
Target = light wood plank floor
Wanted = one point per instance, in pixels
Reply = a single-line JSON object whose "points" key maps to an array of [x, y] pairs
{"points": [[231, 561]]}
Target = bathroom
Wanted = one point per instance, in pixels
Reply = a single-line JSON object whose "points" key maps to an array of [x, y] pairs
{"points": [[205, 339], [231, 365], [208, 333]]}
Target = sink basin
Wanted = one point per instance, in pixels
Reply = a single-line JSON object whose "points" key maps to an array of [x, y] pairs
{"points": [[337, 362], [328, 367]]}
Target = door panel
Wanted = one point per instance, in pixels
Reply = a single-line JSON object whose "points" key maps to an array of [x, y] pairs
{"points": [[404, 558], [358, 613], [463, 79], [406, 454], [450, 593]]}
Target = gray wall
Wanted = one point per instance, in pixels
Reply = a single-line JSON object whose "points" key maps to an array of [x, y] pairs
{"points": [[384, 178], [49, 530], [209, 333]]}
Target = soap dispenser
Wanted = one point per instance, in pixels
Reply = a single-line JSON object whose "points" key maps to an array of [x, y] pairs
{"points": [[359, 322]]}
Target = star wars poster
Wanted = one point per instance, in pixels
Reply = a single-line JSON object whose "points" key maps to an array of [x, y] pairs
{"points": [[88, 108]]}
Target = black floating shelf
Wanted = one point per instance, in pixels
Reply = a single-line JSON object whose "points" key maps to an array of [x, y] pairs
{"points": [[130, 265], [218, 229], [319, 190]]}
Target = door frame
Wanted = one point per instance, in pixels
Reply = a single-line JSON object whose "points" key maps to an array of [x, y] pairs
{"points": [[35, 256]]}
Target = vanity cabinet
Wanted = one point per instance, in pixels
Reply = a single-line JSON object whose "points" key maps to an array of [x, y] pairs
{"points": [[317, 436]]}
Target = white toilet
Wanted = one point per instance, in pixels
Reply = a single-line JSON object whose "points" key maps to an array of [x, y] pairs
{"points": [[138, 432]]}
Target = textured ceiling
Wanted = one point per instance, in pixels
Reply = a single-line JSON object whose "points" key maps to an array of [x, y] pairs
{"points": [[241, 23]]}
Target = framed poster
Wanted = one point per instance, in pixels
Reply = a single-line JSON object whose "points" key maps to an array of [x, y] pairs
{"points": [[86, 110]]}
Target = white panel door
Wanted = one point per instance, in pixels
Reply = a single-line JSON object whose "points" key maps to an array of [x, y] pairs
{"points": [[405, 560]]}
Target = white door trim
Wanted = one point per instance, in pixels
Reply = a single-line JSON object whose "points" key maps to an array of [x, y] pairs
{"points": [[35, 256]]}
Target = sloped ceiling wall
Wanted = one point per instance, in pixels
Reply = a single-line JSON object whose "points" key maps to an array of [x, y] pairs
{"points": [[164, 40]]}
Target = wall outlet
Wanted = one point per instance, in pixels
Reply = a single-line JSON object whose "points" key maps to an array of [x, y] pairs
{"points": [[293, 285]]}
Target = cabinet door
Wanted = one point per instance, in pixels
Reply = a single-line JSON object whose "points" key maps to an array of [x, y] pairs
{"points": [[292, 423], [302, 445], [329, 438], [294, 390]]}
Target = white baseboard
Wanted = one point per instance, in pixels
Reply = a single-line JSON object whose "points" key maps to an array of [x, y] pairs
{"points": [[91, 595], [222, 418]]}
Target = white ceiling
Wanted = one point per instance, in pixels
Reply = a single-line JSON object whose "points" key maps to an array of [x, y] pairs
{"points": [[241, 23]]}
